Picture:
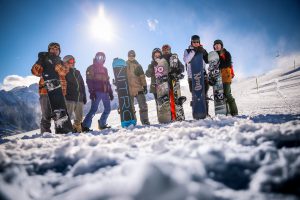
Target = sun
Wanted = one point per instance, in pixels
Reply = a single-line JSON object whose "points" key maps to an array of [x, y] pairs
{"points": [[101, 26]]}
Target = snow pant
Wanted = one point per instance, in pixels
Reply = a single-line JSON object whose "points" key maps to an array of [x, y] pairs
{"points": [[206, 86], [46, 114], [230, 100], [76, 108], [94, 107], [141, 99]]}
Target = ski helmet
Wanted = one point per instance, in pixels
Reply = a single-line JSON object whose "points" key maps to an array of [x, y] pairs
{"points": [[131, 53], [195, 37], [156, 50], [69, 59], [165, 48], [53, 45], [218, 41], [99, 57]]}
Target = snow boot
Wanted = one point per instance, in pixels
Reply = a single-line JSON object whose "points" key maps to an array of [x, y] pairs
{"points": [[104, 127]]}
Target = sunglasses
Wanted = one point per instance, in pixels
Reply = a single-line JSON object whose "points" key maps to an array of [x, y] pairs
{"points": [[196, 41]]}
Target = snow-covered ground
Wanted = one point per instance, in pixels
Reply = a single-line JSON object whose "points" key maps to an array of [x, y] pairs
{"points": [[255, 155]]}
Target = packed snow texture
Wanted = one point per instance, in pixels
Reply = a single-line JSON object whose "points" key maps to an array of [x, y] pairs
{"points": [[255, 155]]}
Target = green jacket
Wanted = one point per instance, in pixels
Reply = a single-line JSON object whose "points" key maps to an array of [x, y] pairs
{"points": [[136, 77]]}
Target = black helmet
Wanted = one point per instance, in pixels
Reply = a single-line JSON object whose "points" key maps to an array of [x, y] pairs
{"points": [[218, 41], [53, 45], [99, 58], [156, 50], [195, 37]]}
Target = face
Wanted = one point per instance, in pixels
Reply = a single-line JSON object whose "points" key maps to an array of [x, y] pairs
{"points": [[217, 47], [157, 55], [195, 43], [131, 58], [166, 51], [54, 51], [70, 63]]}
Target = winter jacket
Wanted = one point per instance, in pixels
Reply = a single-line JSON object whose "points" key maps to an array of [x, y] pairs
{"points": [[189, 55], [45, 64], [226, 66], [151, 73], [180, 65], [75, 86], [97, 79], [136, 77]]}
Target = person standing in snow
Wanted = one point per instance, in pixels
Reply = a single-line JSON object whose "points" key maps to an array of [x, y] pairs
{"points": [[137, 85], [189, 53], [150, 72], [75, 92], [100, 89], [227, 74], [46, 62], [166, 54]]}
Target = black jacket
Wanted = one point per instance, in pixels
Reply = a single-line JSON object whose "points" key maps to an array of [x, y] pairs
{"points": [[225, 59], [75, 86]]}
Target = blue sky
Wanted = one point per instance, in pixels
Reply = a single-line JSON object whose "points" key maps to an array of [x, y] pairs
{"points": [[253, 31]]}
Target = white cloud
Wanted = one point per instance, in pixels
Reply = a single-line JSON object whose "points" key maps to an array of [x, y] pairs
{"points": [[13, 81], [152, 24]]}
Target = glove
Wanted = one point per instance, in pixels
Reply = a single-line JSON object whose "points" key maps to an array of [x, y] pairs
{"points": [[93, 96], [198, 49], [111, 96], [145, 90], [84, 100]]}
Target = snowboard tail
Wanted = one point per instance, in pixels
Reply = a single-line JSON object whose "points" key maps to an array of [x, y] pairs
{"points": [[198, 91], [215, 79], [126, 107], [177, 100], [162, 91], [57, 103]]}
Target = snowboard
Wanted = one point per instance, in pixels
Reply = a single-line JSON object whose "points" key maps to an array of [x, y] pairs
{"points": [[58, 106], [175, 89], [162, 91], [126, 106], [198, 90], [215, 79]]}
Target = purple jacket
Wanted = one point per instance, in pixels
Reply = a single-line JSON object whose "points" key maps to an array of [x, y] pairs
{"points": [[97, 79]]}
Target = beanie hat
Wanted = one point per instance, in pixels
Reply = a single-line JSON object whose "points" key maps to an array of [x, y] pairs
{"points": [[131, 53], [156, 50], [218, 41], [195, 37], [68, 58]]}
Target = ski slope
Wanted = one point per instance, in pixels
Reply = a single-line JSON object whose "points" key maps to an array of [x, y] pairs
{"points": [[255, 155]]}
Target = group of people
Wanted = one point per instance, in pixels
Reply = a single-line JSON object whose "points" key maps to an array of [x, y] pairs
{"points": [[100, 89]]}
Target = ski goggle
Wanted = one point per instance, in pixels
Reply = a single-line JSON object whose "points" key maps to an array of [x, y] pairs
{"points": [[100, 58], [71, 61], [54, 45]]}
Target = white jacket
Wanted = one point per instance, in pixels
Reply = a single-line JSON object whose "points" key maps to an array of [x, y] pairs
{"points": [[187, 57]]}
